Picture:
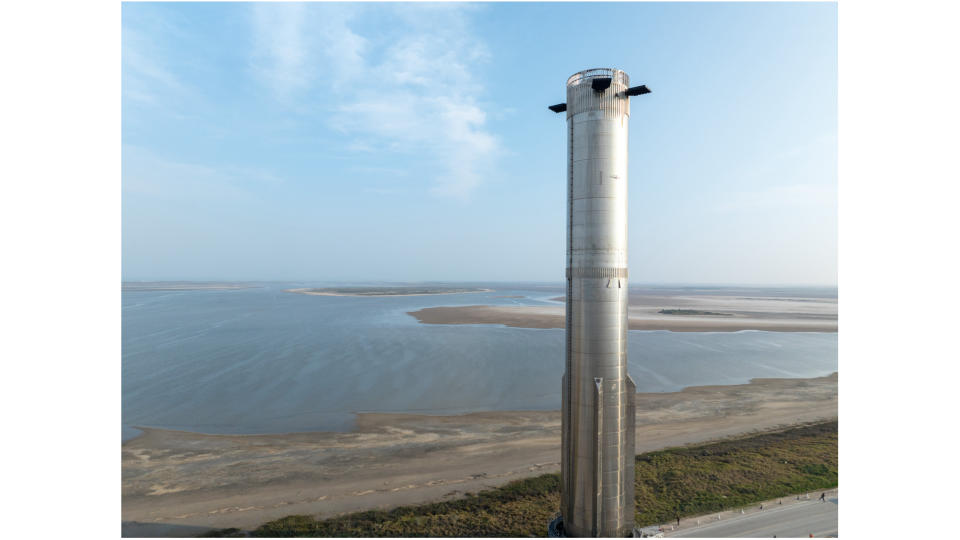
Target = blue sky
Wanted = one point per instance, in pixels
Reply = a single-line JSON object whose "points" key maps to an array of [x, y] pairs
{"points": [[410, 142]]}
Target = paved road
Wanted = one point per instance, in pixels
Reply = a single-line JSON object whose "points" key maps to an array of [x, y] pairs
{"points": [[794, 521]]}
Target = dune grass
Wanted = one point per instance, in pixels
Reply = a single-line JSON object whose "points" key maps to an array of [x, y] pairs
{"points": [[729, 474], [678, 481]]}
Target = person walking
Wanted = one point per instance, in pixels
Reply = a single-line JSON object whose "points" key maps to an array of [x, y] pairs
{"points": [[823, 497]]}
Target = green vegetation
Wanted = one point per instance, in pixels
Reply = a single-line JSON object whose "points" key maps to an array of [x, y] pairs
{"points": [[685, 481], [693, 312], [520, 508], [730, 474]]}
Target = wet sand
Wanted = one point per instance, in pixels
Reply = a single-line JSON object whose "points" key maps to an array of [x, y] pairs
{"points": [[739, 313], [179, 484]]}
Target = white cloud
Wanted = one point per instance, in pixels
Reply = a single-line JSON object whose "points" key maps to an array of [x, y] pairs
{"points": [[417, 97], [467, 147], [280, 48], [298, 46]]}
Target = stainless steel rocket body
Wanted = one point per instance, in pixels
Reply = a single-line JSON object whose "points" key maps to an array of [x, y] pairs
{"points": [[597, 467]]}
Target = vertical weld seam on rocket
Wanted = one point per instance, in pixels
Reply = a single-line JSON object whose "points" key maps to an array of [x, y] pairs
{"points": [[564, 450], [630, 472], [598, 458]]}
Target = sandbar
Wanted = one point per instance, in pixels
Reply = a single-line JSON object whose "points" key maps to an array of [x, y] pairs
{"points": [[553, 317], [674, 312]]}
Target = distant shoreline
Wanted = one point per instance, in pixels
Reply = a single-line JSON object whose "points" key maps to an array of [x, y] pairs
{"points": [[183, 286], [315, 292]]}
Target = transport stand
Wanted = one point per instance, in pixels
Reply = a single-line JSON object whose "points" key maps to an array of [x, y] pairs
{"points": [[555, 529]]}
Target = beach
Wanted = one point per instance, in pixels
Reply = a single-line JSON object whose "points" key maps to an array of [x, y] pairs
{"points": [[179, 483], [709, 313]]}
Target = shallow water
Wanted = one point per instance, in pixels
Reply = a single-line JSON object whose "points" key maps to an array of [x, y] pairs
{"points": [[265, 361]]}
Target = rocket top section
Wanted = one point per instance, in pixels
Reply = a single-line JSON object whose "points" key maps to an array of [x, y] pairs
{"points": [[617, 74], [602, 89]]}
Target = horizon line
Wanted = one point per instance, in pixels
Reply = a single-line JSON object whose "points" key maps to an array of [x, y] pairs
{"points": [[422, 281]]}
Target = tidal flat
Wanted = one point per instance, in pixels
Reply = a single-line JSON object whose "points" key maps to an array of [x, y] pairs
{"points": [[179, 483]]}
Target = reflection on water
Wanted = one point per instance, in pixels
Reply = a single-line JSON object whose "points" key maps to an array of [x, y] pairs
{"points": [[265, 361]]}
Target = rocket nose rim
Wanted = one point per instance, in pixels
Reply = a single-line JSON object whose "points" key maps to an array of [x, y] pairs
{"points": [[585, 76]]}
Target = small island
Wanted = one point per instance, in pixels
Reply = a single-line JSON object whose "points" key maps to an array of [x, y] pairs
{"points": [[385, 291], [693, 312]]}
